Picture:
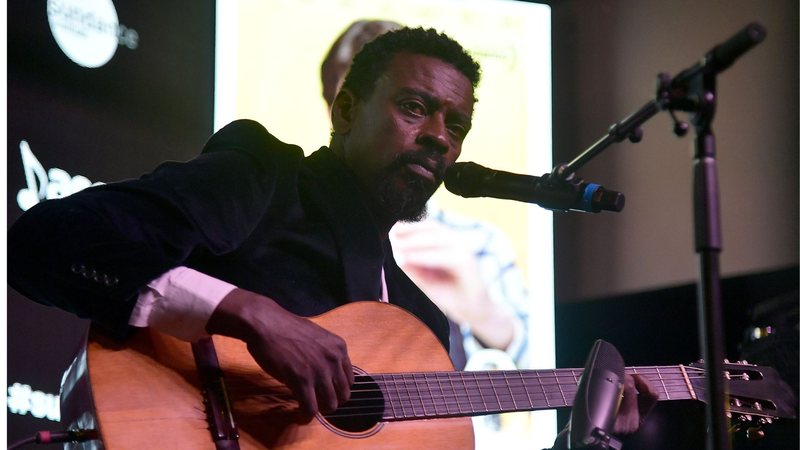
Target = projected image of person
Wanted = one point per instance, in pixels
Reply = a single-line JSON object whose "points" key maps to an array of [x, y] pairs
{"points": [[251, 237], [466, 267]]}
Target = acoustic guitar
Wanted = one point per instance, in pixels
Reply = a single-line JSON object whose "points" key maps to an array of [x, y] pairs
{"points": [[146, 392]]}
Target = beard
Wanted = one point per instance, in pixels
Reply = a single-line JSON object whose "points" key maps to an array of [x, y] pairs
{"points": [[410, 203], [407, 205]]}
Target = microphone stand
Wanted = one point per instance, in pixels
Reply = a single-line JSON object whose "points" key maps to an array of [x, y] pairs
{"points": [[694, 90]]}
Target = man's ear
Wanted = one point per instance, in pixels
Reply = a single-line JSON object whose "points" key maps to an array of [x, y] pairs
{"points": [[343, 111]]}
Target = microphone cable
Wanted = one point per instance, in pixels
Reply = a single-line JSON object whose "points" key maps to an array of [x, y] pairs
{"points": [[53, 437]]}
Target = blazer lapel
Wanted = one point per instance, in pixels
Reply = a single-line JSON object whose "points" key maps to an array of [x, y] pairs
{"points": [[335, 192]]}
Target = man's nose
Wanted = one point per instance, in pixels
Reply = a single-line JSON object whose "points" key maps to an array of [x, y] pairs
{"points": [[434, 134]]}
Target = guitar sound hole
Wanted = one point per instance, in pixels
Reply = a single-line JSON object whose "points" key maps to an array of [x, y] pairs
{"points": [[363, 411]]}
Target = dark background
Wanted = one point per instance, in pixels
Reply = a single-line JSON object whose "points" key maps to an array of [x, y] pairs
{"points": [[117, 121], [627, 278]]}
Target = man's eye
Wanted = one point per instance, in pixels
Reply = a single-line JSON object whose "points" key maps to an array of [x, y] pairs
{"points": [[456, 130], [415, 108]]}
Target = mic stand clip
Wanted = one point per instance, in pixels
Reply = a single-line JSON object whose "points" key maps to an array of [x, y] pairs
{"points": [[600, 439]]}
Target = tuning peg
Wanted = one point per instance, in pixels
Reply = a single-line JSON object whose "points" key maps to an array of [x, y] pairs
{"points": [[765, 420]]}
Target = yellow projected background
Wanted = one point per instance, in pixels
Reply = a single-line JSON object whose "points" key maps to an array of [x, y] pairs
{"points": [[268, 69]]}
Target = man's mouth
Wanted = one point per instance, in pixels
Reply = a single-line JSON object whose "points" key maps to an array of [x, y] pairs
{"points": [[423, 171]]}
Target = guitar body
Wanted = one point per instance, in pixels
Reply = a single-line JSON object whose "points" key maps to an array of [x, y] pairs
{"points": [[146, 392]]}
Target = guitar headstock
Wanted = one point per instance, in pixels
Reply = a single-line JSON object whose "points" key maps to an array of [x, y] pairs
{"points": [[756, 393]]}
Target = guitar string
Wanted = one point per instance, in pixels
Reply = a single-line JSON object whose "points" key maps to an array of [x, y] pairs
{"points": [[367, 407], [372, 410], [344, 411], [434, 400], [671, 376], [671, 381], [678, 378]]}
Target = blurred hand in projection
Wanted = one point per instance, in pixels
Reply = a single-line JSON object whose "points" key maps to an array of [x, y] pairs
{"points": [[446, 268]]}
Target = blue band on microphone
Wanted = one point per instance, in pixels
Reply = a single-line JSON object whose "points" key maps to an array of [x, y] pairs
{"points": [[591, 188]]}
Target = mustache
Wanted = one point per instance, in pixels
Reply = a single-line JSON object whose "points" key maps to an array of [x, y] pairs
{"points": [[430, 159]]}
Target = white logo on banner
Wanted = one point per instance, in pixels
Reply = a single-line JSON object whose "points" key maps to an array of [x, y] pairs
{"points": [[45, 185], [88, 31], [22, 399]]}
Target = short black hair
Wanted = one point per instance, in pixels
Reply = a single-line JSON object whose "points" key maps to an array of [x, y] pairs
{"points": [[374, 59]]}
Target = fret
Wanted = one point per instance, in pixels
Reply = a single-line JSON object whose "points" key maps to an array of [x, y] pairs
{"points": [[487, 394], [541, 387], [466, 391], [384, 385], [575, 378], [408, 384], [455, 395], [396, 386], [561, 378], [550, 389], [551, 392], [510, 392], [527, 392], [428, 395], [399, 396], [490, 387], [661, 379], [407, 399], [421, 398], [412, 394], [490, 401], [441, 393], [432, 395], [452, 394]]}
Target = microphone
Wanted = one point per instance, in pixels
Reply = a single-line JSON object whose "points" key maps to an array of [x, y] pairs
{"points": [[468, 179], [723, 55], [597, 400]]}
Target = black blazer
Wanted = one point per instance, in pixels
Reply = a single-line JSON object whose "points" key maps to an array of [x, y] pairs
{"points": [[250, 210]]}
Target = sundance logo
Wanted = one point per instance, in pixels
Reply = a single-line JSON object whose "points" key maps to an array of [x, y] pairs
{"points": [[88, 31], [22, 399], [46, 184]]}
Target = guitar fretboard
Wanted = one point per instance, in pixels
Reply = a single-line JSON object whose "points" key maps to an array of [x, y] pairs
{"points": [[449, 394]]}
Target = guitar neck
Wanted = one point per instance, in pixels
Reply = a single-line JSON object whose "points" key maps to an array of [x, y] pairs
{"points": [[454, 394]]}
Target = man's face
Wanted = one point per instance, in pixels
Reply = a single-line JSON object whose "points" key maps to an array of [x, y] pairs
{"points": [[400, 140]]}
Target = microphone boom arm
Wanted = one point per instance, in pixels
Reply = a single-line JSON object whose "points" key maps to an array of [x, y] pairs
{"points": [[694, 90]]}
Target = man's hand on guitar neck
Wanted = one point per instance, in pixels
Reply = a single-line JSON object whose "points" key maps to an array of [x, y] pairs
{"points": [[311, 361], [638, 399]]}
